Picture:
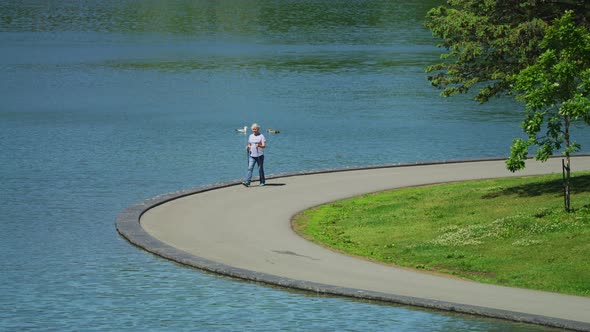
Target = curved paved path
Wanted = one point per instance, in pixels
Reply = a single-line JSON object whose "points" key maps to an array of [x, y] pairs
{"points": [[245, 233]]}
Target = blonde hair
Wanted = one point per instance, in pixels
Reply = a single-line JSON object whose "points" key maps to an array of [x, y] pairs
{"points": [[255, 125]]}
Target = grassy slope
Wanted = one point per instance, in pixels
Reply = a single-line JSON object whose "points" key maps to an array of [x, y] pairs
{"points": [[510, 232]]}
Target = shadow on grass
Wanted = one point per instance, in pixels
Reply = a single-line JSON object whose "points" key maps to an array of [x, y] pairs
{"points": [[578, 184]]}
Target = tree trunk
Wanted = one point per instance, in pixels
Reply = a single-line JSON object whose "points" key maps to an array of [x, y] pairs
{"points": [[566, 168], [566, 183]]}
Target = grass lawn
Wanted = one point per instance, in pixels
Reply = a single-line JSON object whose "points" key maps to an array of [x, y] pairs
{"points": [[510, 232]]}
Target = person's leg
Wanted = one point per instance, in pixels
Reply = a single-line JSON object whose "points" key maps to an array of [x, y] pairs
{"points": [[261, 169], [251, 162]]}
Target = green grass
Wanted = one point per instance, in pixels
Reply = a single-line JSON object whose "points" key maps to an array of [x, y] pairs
{"points": [[510, 232]]}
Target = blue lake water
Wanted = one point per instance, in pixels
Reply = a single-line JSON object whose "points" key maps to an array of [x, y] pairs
{"points": [[107, 103]]}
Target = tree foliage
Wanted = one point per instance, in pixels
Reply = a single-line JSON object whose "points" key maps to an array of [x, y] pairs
{"points": [[538, 49], [489, 41], [555, 90]]}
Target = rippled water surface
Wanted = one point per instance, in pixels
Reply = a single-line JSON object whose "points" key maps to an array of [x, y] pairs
{"points": [[107, 103]]}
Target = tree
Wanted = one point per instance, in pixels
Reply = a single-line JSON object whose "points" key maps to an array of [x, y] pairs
{"points": [[556, 91], [489, 41], [493, 46]]}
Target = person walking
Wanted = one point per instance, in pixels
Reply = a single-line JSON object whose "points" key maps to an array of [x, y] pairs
{"points": [[255, 148]]}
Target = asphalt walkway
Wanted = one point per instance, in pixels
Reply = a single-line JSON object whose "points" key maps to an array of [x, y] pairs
{"points": [[246, 233]]}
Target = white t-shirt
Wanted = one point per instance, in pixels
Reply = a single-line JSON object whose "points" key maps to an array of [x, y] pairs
{"points": [[253, 139]]}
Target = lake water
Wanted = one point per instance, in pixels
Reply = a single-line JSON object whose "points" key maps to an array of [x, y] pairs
{"points": [[107, 103]]}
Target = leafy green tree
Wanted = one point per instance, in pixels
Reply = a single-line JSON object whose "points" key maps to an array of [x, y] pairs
{"points": [[556, 91], [489, 41], [524, 47]]}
